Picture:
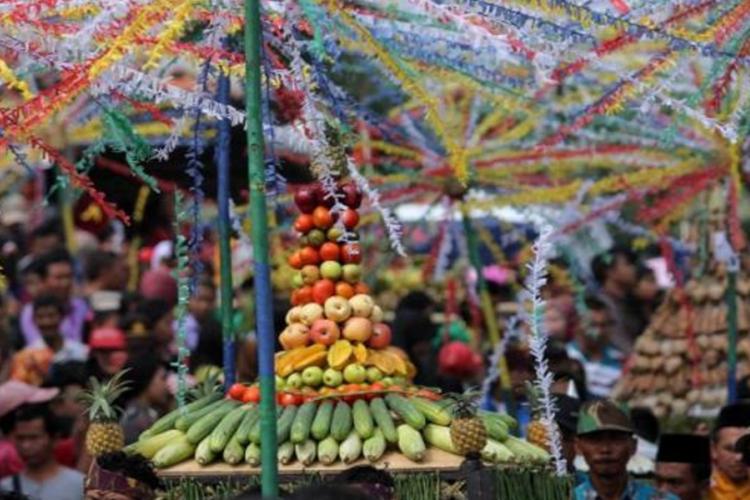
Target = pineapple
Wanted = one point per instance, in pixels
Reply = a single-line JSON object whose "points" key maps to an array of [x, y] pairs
{"points": [[536, 431], [104, 434], [468, 434]]}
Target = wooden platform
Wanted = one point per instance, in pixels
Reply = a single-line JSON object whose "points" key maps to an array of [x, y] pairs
{"points": [[435, 461]]}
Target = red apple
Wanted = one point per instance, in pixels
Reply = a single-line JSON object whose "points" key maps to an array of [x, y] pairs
{"points": [[295, 260], [325, 332], [309, 255], [305, 200], [344, 289], [337, 309], [350, 218], [302, 296], [329, 251], [357, 329], [322, 218], [351, 253], [352, 195], [296, 335], [381, 336], [304, 223], [322, 290]]}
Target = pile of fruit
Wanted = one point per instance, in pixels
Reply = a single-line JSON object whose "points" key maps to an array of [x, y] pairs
{"points": [[343, 391], [326, 430], [680, 362]]}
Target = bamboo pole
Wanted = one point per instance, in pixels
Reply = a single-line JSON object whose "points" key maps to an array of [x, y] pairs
{"points": [[225, 254], [259, 234]]}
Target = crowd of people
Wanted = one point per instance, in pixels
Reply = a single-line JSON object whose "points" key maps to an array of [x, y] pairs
{"points": [[68, 316]]}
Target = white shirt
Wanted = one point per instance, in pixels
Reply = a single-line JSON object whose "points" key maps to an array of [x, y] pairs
{"points": [[70, 351]]}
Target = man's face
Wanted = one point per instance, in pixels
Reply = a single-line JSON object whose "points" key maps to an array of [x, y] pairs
{"points": [[607, 452], [679, 480], [599, 327], [725, 458], [59, 280], [33, 443], [48, 319], [624, 271], [202, 304]]}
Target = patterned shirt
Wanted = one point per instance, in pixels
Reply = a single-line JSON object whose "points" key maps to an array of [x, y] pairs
{"points": [[635, 491]]}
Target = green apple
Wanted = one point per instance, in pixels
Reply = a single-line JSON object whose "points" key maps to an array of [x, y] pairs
{"points": [[355, 374], [387, 381], [351, 273], [374, 374], [332, 378], [330, 269], [297, 281], [280, 383], [312, 376], [316, 237], [294, 381], [334, 234]]}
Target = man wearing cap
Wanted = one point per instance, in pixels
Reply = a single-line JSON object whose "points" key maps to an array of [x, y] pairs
{"points": [[731, 476], [606, 440], [683, 466], [13, 395]]}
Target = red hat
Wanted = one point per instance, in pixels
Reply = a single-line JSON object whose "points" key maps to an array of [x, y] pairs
{"points": [[108, 338]]}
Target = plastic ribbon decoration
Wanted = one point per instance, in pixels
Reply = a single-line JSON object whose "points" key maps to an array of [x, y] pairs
{"points": [[183, 298], [538, 344]]}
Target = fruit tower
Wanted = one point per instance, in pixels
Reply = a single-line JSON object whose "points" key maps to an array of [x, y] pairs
{"points": [[335, 338], [344, 392]]}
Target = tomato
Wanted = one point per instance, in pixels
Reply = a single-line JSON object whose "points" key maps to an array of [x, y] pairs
{"points": [[236, 391], [289, 399], [377, 386], [251, 395], [351, 388], [427, 394], [309, 397]]}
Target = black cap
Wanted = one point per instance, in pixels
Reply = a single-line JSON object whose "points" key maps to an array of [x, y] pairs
{"points": [[684, 449], [736, 415], [568, 409]]}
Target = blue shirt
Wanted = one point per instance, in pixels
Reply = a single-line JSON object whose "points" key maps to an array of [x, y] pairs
{"points": [[635, 491]]}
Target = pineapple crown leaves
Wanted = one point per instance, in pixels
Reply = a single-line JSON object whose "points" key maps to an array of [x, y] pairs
{"points": [[465, 405], [100, 397], [210, 385]]}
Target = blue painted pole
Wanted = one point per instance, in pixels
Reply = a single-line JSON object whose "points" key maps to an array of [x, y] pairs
{"points": [[269, 477], [222, 152]]}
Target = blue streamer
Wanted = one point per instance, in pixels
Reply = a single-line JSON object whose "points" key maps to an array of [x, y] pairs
{"points": [[195, 171]]}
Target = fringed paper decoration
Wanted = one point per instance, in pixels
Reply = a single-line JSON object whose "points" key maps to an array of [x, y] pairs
{"points": [[538, 344], [183, 298]]}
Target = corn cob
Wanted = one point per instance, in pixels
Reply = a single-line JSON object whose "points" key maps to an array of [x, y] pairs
{"points": [[328, 451], [175, 452]]}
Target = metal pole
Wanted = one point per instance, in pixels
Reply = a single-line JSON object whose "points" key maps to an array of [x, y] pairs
{"points": [[259, 234], [225, 254]]}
